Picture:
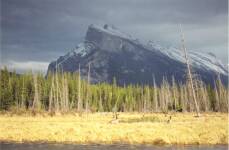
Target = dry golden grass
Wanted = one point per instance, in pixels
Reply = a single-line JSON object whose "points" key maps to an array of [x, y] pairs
{"points": [[211, 128]]}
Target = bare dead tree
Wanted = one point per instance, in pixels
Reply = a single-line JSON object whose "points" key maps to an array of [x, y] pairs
{"points": [[88, 88], [66, 91], [155, 95], [100, 101], [143, 101], [64, 94], [36, 101], [148, 102], [79, 109], [175, 93], [182, 97], [57, 93], [165, 95], [51, 97], [189, 71], [204, 96], [23, 105], [221, 94]]}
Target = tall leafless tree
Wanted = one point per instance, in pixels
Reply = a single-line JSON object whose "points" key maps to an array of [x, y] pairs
{"points": [[189, 72], [88, 88], [79, 106]]}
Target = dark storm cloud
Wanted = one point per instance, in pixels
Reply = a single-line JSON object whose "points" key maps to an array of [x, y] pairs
{"points": [[42, 30]]}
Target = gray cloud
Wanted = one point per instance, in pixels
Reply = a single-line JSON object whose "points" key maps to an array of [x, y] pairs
{"points": [[43, 30]]}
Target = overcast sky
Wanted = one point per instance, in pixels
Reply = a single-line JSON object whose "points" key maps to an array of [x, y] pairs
{"points": [[35, 32]]}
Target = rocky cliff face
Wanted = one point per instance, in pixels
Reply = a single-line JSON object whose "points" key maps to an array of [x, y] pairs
{"points": [[114, 54]]}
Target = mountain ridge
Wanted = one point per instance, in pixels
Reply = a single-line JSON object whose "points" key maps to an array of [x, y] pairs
{"points": [[105, 47]]}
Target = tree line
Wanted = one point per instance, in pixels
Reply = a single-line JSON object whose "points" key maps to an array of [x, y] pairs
{"points": [[65, 92]]}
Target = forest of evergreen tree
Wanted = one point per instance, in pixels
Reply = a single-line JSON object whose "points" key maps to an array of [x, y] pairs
{"points": [[65, 92]]}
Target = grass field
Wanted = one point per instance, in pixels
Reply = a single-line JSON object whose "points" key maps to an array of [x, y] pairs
{"points": [[210, 128]]}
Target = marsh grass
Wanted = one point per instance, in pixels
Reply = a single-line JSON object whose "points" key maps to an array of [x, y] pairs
{"points": [[142, 119], [210, 128]]}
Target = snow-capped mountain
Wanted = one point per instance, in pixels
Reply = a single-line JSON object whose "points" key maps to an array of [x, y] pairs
{"points": [[200, 60], [115, 54]]}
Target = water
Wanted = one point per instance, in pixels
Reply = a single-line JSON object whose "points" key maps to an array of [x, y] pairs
{"points": [[33, 146]]}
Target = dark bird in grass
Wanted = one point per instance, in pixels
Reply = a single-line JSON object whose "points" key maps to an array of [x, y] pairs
{"points": [[169, 120]]}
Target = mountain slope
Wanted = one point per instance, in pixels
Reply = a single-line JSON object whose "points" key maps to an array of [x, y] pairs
{"points": [[113, 53]]}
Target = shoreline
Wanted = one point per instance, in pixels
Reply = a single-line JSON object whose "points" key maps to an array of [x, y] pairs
{"points": [[184, 129], [109, 144], [115, 143]]}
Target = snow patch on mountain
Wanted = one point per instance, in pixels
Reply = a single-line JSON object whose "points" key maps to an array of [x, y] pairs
{"points": [[81, 49], [197, 59], [110, 29], [208, 62]]}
